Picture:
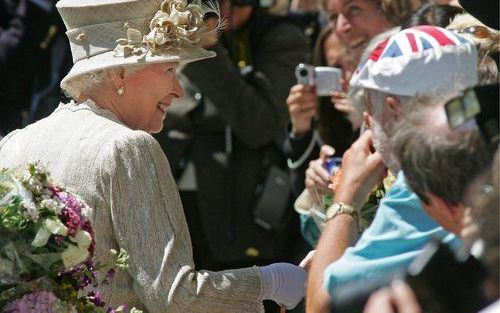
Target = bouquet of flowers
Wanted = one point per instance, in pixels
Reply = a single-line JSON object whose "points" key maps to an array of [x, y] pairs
{"points": [[47, 246]]}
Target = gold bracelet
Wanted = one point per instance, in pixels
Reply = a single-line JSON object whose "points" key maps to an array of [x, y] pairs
{"points": [[341, 208]]}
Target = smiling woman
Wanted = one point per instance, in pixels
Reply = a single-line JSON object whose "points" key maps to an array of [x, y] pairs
{"points": [[138, 95]]}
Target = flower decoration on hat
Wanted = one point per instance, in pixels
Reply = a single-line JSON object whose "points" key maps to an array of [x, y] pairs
{"points": [[176, 25]]}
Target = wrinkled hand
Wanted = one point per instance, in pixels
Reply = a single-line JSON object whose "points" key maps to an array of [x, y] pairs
{"points": [[317, 177], [362, 170], [283, 283], [302, 106], [343, 104], [399, 298]]}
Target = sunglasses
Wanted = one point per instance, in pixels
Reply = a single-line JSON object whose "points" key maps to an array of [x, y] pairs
{"points": [[478, 31]]}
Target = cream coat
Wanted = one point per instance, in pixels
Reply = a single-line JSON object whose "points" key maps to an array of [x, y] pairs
{"points": [[124, 175]]}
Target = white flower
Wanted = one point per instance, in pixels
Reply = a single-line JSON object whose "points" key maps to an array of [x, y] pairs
{"points": [[174, 25], [52, 205], [74, 255], [49, 226]]}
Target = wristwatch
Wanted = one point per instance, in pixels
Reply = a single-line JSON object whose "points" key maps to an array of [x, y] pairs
{"points": [[341, 208]]}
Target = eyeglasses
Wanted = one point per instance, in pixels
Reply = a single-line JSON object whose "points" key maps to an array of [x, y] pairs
{"points": [[478, 31]]}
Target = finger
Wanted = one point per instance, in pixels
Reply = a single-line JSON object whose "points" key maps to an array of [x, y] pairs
{"points": [[296, 96], [307, 103], [379, 301], [301, 99], [377, 162], [365, 141], [292, 99], [294, 109], [298, 88], [404, 298], [338, 94], [306, 262], [321, 172], [325, 152], [283, 309], [317, 178], [309, 183], [343, 107]]}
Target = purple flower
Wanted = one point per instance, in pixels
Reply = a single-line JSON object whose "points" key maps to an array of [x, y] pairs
{"points": [[88, 228], [41, 301], [110, 275], [95, 298], [70, 201], [72, 220]]}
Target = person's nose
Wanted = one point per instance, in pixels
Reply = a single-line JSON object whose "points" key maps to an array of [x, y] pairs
{"points": [[178, 91], [343, 25]]}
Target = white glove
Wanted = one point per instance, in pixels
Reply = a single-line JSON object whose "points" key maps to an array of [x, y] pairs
{"points": [[283, 283]]}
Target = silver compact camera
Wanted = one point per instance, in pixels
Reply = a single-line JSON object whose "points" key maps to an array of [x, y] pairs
{"points": [[324, 78]]}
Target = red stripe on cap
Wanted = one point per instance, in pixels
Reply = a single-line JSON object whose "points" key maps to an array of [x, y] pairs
{"points": [[413, 42], [377, 52], [437, 34]]}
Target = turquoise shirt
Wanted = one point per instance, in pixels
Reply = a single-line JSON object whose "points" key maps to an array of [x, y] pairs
{"points": [[309, 230], [397, 234]]}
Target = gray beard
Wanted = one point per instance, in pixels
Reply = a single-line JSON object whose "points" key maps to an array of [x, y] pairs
{"points": [[381, 144]]}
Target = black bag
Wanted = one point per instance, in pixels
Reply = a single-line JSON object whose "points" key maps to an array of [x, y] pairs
{"points": [[274, 199]]}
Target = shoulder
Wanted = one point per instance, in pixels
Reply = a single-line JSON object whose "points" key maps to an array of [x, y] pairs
{"points": [[8, 137], [131, 151], [127, 142]]}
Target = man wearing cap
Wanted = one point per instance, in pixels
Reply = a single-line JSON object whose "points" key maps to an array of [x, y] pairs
{"points": [[415, 61]]}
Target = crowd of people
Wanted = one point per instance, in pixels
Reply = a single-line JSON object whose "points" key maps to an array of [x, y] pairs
{"points": [[237, 187]]}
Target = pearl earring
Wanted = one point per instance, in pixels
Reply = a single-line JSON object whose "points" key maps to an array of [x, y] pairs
{"points": [[121, 91]]}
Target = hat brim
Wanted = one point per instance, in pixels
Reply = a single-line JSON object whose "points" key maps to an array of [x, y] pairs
{"points": [[108, 60]]}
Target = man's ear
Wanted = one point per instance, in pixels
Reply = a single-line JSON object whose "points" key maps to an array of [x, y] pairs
{"points": [[394, 104], [367, 120], [448, 215], [118, 78]]}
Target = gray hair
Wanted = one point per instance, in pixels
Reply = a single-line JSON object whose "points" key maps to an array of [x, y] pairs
{"points": [[88, 84], [434, 157]]}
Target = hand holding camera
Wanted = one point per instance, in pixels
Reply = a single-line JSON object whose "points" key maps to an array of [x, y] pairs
{"points": [[302, 107]]}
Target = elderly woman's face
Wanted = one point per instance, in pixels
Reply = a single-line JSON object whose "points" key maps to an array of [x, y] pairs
{"points": [[148, 94]]}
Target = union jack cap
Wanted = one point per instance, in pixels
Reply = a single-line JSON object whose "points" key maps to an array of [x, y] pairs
{"points": [[419, 60]]}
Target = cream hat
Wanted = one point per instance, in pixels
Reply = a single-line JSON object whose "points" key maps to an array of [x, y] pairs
{"points": [[109, 33]]}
